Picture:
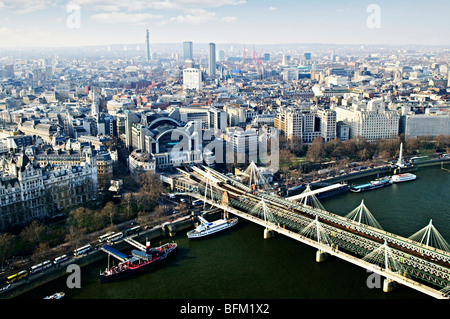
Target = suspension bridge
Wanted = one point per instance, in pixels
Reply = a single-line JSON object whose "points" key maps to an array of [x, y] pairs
{"points": [[421, 262]]}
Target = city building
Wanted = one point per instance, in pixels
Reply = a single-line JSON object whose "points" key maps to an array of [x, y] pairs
{"points": [[29, 191], [426, 124], [245, 145], [192, 79], [212, 60], [188, 50], [371, 121]]}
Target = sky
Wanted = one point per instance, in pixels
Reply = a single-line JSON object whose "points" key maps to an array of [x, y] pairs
{"points": [[62, 23]]}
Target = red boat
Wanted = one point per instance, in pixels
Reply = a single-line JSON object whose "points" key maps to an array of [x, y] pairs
{"points": [[137, 262]]}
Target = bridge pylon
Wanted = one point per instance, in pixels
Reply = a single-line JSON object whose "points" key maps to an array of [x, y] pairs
{"points": [[315, 231], [254, 176], [208, 183], [361, 214], [429, 236], [310, 199], [385, 259], [261, 210]]}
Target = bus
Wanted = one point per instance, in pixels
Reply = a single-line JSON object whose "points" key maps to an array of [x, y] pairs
{"points": [[197, 202], [82, 250], [60, 259], [132, 230], [17, 276], [104, 237], [39, 267], [115, 237]]}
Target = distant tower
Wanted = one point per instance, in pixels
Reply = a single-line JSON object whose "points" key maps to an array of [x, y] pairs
{"points": [[188, 50], [147, 37], [95, 105], [212, 60]]}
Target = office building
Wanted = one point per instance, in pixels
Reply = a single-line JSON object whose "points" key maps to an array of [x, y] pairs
{"points": [[147, 38], [192, 79], [212, 60], [188, 50], [372, 121], [245, 145]]}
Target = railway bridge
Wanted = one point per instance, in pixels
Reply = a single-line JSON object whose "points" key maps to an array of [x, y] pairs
{"points": [[414, 263]]}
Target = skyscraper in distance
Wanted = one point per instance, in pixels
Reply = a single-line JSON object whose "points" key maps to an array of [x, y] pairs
{"points": [[212, 60], [188, 50], [147, 37]]}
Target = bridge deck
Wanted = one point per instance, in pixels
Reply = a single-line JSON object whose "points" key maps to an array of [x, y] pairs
{"points": [[333, 252], [427, 263]]}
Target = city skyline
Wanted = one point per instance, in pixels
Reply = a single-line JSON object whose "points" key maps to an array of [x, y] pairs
{"points": [[60, 23]]}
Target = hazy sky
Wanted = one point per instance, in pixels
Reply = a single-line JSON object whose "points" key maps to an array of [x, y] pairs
{"points": [[27, 23]]}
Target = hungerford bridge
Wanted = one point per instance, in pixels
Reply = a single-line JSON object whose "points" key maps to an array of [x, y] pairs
{"points": [[421, 262]]}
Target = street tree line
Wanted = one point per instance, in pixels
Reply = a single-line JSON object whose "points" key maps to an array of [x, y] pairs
{"points": [[296, 155]]}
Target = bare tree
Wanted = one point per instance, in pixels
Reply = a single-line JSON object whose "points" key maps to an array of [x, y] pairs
{"points": [[151, 189], [316, 150], [33, 234], [127, 200], [6, 246]]}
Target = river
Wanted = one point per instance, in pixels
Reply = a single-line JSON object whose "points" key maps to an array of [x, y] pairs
{"points": [[240, 264]]}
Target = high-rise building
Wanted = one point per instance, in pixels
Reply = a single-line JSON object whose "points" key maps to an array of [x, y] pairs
{"points": [[188, 50], [245, 145], [221, 55], [192, 79], [307, 56], [212, 60], [9, 71], [147, 37]]}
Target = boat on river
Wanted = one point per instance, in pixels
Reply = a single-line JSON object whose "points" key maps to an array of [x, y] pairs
{"points": [[207, 228], [405, 177], [378, 183], [138, 261]]}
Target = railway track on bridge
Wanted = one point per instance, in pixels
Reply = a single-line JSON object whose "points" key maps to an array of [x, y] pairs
{"points": [[426, 264]]}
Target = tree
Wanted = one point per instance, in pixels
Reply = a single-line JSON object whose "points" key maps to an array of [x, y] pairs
{"points": [[82, 217], [76, 234], [6, 246], [110, 210], [442, 143], [41, 253], [33, 234], [128, 200], [286, 160], [316, 150], [151, 189], [332, 146]]}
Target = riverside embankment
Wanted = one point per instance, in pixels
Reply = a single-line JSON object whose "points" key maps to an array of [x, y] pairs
{"points": [[168, 229]]}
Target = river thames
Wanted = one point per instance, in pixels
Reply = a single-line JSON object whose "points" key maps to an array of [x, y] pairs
{"points": [[240, 264]]}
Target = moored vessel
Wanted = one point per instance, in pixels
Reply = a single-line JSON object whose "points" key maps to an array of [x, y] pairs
{"points": [[137, 262], [378, 183], [208, 228], [403, 177]]}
